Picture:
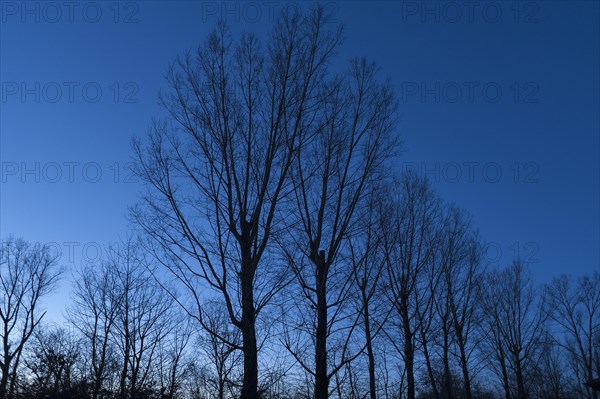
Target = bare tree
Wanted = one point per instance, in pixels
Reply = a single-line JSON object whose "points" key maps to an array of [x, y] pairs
{"points": [[52, 361], [428, 321], [27, 274], [446, 342], [462, 272], [493, 347], [221, 355], [143, 317], [409, 249], [367, 260], [94, 313], [123, 315], [218, 169], [554, 379], [445, 306], [353, 139], [575, 309], [173, 356], [515, 326]]}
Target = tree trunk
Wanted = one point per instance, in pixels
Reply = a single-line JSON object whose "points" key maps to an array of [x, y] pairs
{"points": [[409, 354], [221, 394], [370, 355], [590, 374], [13, 380], [124, 371], [505, 382], [463, 363], [4, 381], [436, 394], [521, 394], [173, 384], [96, 389], [410, 376], [321, 378], [248, 327], [123, 382], [447, 375], [250, 381], [98, 369], [248, 321]]}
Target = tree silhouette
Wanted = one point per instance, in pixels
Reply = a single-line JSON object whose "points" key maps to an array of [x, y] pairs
{"points": [[27, 274], [218, 169]]}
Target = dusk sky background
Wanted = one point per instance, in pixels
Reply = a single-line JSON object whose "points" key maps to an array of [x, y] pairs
{"points": [[499, 105]]}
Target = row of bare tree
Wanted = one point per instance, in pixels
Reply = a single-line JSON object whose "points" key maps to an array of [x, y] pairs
{"points": [[412, 313], [282, 256]]}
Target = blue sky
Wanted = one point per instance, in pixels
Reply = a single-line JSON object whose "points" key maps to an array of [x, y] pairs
{"points": [[499, 104]]}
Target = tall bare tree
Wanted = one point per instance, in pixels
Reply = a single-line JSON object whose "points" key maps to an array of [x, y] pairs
{"points": [[143, 316], [173, 358], [93, 312], [353, 138], [445, 341], [428, 320], [218, 168], [367, 260], [222, 357], [515, 326], [409, 249], [123, 315], [28, 272], [554, 377], [575, 309], [462, 272]]}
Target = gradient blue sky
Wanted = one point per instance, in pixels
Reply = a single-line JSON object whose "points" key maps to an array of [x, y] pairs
{"points": [[499, 103]]}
